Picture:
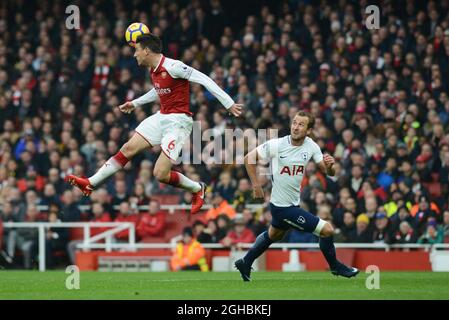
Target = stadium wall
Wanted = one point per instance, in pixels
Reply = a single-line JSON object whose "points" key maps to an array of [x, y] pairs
{"points": [[387, 261], [274, 259]]}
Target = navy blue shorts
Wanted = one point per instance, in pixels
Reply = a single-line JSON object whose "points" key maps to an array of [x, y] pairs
{"points": [[285, 218]]}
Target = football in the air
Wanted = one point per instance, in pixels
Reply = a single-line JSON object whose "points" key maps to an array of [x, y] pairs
{"points": [[135, 30]]}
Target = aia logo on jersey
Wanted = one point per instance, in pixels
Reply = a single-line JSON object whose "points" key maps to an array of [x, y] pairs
{"points": [[294, 171]]}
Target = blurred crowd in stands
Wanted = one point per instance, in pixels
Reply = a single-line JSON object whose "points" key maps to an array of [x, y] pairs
{"points": [[380, 98]]}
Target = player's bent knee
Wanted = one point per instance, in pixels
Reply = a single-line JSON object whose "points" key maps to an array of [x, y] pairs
{"points": [[128, 150], [161, 175], [327, 230], [275, 235]]}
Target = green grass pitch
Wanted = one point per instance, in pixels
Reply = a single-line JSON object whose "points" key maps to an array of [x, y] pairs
{"points": [[222, 286]]}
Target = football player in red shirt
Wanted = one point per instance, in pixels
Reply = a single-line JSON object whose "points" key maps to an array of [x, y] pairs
{"points": [[169, 127]]}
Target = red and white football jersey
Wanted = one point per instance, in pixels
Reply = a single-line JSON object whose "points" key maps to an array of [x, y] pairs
{"points": [[171, 84]]}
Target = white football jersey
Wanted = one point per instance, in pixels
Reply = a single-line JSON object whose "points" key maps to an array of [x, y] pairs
{"points": [[288, 164]]}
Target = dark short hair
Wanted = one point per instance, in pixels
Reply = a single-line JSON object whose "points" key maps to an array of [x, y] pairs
{"points": [[308, 115], [150, 41], [187, 231]]}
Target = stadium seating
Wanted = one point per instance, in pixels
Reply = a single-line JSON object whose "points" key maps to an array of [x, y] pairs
{"points": [[58, 115]]}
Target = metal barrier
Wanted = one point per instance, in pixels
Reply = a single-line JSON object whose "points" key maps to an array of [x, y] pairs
{"points": [[171, 208], [283, 246], [109, 245], [88, 240]]}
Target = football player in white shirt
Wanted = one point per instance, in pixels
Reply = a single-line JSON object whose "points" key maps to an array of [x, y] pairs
{"points": [[288, 157]]}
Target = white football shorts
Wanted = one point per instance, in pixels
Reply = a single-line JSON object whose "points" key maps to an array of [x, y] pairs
{"points": [[170, 131]]}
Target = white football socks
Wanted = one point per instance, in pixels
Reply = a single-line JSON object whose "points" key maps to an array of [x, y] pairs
{"points": [[181, 181], [110, 167]]}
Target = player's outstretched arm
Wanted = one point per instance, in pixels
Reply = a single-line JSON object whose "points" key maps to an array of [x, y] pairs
{"points": [[129, 106], [251, 168], [326, 165], [177, 69], [199, 77]]}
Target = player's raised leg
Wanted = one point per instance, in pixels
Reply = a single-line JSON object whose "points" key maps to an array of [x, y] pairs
{"points": [[135, 145], [164, 173]]}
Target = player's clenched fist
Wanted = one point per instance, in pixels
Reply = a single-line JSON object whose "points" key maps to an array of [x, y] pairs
{"points": [[328, 160], [127, 107], [236, 109], [258, 193]]}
